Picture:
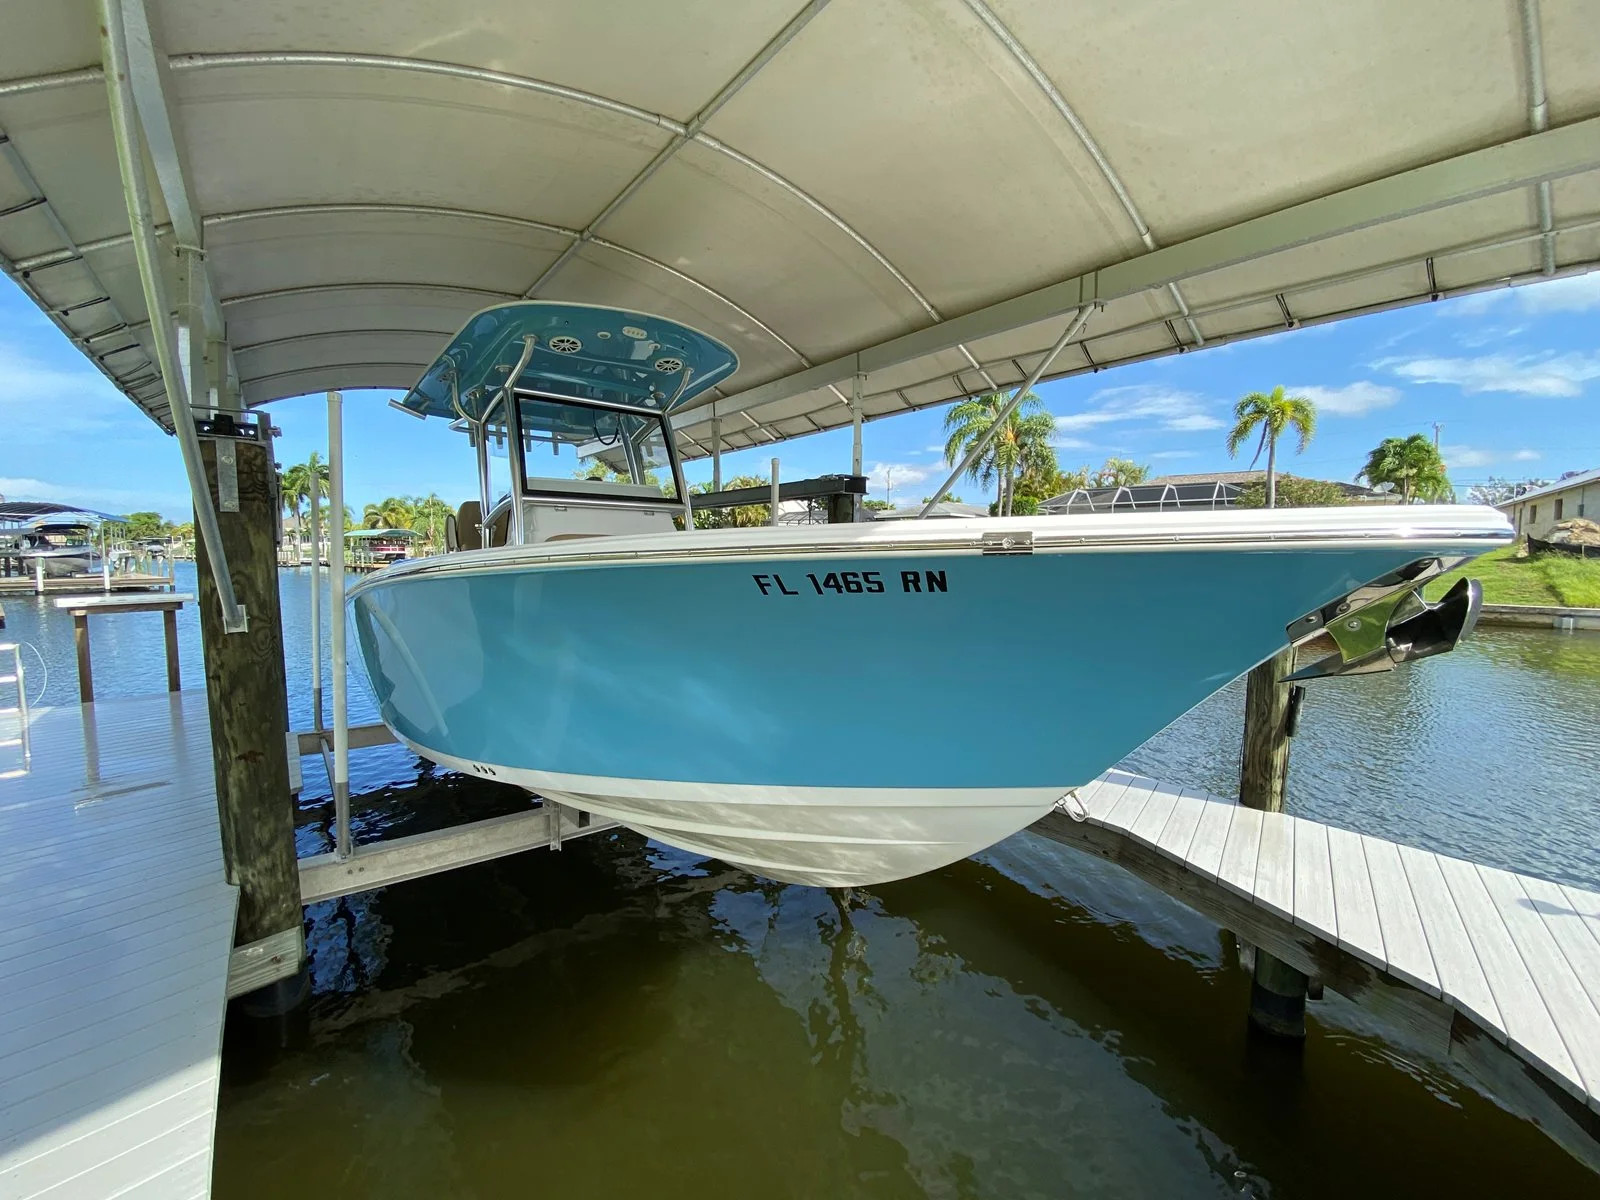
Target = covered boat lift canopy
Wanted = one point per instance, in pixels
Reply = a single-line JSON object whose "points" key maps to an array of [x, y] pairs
{"points": [[922, 191]]}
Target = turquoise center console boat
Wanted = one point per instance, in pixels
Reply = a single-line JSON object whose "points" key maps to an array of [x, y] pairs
{"points": [[838, 704]]}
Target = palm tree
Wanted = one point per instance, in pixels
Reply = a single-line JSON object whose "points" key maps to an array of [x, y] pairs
{"points": [[298, 482], [1119, 472], [292, 487], [1020, 445], [392, 512], [1274, 413], [1412, 464], [431, 515]]}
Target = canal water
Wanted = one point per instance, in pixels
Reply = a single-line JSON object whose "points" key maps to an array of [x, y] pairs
{"points": [[622, 1019]]}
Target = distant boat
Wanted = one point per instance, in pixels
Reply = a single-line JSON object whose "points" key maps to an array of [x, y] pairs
{"points": [[63, 547], [61, 536], [836, 704]]}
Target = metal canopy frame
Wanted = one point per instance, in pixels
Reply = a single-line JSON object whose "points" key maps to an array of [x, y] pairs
{"points": [[180, 376], [1533, 159], [925, 342]]}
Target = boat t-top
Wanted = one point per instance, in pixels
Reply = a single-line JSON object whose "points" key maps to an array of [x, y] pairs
{"points": [[840, 704]]}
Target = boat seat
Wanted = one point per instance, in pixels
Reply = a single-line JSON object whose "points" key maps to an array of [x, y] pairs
{"points": [[467, 534]]}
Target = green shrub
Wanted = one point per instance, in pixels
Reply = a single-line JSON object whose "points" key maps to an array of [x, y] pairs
{"points": [[1293, 492]]}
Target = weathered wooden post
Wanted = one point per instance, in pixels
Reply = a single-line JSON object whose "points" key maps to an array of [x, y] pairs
{"points": [[1277, 991], [248, 700]]}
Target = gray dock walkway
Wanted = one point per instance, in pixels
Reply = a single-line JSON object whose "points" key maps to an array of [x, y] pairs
{"points": [[115, 930], [1483, 953]]}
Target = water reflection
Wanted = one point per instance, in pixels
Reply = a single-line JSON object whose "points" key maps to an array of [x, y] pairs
{"points": [[619, 1019], [1486, 753]]}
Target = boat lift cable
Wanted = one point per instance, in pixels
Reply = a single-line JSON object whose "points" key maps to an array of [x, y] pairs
{"points": [[1073, 329], [125, 132]]}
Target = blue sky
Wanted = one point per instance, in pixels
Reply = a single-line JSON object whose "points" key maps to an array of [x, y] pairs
{"points": [[1512, 375]]}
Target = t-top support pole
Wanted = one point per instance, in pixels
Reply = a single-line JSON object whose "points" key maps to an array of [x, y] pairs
{"points": [[772, 517], [716, 451], [135, 191], [336, 620], [855, 422], [1074, 328], [855, 434]]}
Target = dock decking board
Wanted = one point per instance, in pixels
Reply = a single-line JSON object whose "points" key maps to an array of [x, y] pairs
{"points": [[1516, 956], [115, 929]]}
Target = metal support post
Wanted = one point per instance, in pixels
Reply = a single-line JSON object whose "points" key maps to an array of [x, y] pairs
{"points": [[480, 438], [38, 576], [336, 621], [855, 435], [1074, 327], [855, 423], [517, 448], [130, 162], [316, 603], [772, 516], [716, 451]]}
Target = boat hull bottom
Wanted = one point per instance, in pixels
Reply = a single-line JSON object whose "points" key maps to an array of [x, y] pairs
{"points": [[819, 836]]}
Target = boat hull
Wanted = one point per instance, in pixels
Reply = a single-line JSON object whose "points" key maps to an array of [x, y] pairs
{"points": [[857, 710], [823, 836]]}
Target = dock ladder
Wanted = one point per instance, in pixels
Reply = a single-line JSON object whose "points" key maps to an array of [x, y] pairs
{"points": [[17, 714]]}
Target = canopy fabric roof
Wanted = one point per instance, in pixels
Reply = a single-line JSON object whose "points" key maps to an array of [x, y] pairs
{"points": [[33, 511], [924, 191]]}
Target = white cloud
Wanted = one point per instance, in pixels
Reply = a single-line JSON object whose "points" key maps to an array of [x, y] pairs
{"points": [[1164, 454], [1172, 410], [1070, 443], [1353, 400], [1526, 456], [172, 505], [1525, 375], [1575, 293], [40, 400], [1465, 456], [1193, 423], [882, 476], [1474, 305], [1488, 335]]}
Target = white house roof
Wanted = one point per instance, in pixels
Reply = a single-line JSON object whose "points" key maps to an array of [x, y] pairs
{"points": [[1576, 479], [921, 190]]}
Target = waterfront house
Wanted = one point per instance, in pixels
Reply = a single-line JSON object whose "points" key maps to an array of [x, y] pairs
{"points": [[1535, 513]]}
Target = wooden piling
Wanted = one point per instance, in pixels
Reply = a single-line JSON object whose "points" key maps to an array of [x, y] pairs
{"points": [[1277, 990], [248, 701], [1264, 765]]}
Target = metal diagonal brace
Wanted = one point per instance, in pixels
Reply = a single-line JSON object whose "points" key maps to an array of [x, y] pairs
{"points": [[1074, 328], [125, 131]]}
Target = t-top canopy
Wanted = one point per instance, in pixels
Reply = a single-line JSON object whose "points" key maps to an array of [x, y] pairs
{"points": [[580, 351]]}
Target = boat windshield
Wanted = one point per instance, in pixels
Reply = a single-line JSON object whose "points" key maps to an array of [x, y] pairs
{"points": [[573, 448]]}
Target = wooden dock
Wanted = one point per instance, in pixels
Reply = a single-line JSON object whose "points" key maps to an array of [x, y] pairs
{"points": [[116, 927], [26, 585], [1496, 971]]}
